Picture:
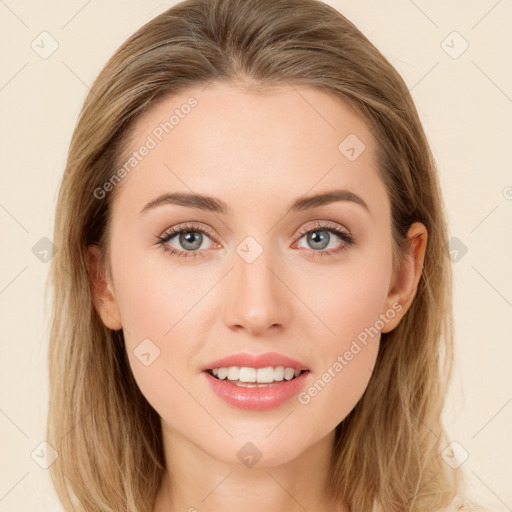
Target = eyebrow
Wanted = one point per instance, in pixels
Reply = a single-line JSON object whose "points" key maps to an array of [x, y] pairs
{"points": [[212, 204]]}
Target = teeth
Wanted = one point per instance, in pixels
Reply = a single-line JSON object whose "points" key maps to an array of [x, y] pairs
{"points": [[265, 375], [259, 375], [233, 373], [222, 373], [289, 373], [246, 374]]}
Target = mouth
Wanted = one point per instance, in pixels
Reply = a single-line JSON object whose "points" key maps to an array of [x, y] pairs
{"points": [[256, 381]]}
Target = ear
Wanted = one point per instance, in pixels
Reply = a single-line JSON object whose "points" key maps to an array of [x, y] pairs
{"points": [[405, 281], [103, 294]]}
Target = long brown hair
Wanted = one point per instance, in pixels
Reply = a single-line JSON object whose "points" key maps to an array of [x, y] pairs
{"points": [[108, 437]]}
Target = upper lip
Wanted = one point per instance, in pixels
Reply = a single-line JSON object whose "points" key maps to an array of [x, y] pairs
{"points": [[256, 361]]}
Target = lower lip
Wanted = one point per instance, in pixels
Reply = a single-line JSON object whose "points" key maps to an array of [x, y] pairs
{"points": [[257, 399]]}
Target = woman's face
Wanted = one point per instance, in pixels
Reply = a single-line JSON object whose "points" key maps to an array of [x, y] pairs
{"points": [[258, 267]]}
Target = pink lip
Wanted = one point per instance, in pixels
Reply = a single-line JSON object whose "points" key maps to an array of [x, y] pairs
{"points": [[256, 361], [257, 399]]}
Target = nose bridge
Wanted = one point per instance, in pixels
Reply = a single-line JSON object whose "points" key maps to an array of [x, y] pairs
{"points": [[255, 298]]}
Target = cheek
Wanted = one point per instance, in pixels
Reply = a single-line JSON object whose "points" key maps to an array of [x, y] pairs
{"points": [[349, 304], [147, 305], [349, 298], [347, 357], [157, 351], [150, 294]]}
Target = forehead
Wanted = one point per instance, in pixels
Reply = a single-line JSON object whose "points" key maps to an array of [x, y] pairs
{"points": [[250, 148]]}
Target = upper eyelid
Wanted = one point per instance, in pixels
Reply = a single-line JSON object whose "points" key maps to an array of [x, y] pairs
{"points": [[323, 224], [177, 229]]}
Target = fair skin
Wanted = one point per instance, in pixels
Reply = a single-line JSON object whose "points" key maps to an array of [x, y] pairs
{"points": [[257, 153]]}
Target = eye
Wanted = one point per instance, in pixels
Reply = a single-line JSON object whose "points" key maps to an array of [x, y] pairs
{"points": [[189, 237], [320, 237]]}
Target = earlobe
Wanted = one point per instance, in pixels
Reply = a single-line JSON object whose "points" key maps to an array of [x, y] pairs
{"points": [[103, 296], [405, 283]]}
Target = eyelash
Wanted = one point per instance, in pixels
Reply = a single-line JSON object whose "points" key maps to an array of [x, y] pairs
{"points": [[162, 240]]}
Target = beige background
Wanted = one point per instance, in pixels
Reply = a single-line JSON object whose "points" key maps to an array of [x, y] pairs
{"points": [[465, 104]]}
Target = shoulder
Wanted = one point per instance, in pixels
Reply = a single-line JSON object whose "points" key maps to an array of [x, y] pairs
{"points": [[460, 504]]}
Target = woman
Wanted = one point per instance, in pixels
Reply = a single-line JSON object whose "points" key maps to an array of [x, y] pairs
{"points": [[252, 289]]}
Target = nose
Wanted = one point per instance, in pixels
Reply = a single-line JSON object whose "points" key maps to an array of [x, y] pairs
{"points": [[256, 299]]}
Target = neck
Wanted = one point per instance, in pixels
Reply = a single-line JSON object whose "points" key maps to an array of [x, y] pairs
{"points": [[195, 481]]}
